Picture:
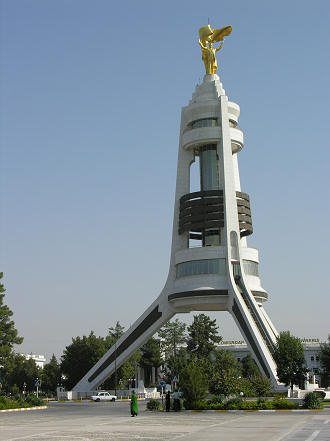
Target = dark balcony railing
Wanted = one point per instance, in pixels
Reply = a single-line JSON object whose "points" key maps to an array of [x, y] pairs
{"points": [[244, 214], [201, 210]]}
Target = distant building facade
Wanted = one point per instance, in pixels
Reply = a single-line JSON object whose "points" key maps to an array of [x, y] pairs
{"points": [[40, 360], [312, 352]]}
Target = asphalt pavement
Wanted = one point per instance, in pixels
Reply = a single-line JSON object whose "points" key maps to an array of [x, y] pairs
{"points": [[89, 421]]}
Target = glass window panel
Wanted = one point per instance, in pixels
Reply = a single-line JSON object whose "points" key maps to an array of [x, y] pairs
{"points": [[207, 122], [205, 266], [209, 168], [212, 240], [222, 266], [212, 266], [250, 267]]}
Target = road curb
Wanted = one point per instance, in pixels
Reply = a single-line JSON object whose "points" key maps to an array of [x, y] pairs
{"points": [[21, 409], [257, 410]]}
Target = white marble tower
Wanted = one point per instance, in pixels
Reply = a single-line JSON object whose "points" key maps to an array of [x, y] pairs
{"points": [[211, 267]]}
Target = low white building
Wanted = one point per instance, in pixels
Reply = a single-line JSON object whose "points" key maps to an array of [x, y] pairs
{"points": [[40, 360], [312, 352]]}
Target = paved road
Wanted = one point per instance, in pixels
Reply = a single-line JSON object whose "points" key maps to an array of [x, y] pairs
{"points": [[88, 421]]}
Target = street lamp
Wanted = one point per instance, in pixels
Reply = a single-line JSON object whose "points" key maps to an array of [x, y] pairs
{"points": [[37, 384]]}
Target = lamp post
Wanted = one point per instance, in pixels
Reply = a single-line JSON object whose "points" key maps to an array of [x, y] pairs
{"points": [[37, 384]]}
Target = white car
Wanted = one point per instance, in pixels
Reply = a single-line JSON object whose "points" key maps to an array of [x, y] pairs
{"points": [[103, 396]]}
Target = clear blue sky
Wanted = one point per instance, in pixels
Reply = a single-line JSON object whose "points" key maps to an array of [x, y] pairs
{"points": [[91, 95]]}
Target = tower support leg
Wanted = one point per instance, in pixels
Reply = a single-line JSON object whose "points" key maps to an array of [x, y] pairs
{"points": [[259, 334], [144, 328]]}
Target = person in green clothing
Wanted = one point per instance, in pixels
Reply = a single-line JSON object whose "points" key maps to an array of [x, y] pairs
{"points": [[134, 405]]}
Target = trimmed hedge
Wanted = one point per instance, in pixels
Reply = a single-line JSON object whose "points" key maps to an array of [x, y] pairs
{"points": [[311, 401], [239, 404], [285, 404]]}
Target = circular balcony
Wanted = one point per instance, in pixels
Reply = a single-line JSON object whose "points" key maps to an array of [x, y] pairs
{"points": [[204, 135], [237, 139], [201, 210], [244, 214], [233, 111]]}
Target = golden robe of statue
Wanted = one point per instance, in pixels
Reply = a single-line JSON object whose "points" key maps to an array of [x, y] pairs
{"points": [[208, 36]]}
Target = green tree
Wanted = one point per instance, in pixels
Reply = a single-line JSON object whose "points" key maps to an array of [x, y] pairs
{"points": [[51, 376], [8, 333], [114, 335], [290, 360], [202, 336], [193, 382], [325, 361], [8, 338], [22, 372], [226, 384], [175, 364], [245, 386], [172, 335], [150, 358], [261, 385], [225, 374], [249, 367], [80, 356], [224, 361]]}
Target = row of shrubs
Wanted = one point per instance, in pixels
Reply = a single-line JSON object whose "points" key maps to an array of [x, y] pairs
{"points": [[154, 404], [18, 401], [312, 400], [239, 404]]}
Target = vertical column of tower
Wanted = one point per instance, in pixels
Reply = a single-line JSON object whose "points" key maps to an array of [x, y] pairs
{"points": [[198, 253]]}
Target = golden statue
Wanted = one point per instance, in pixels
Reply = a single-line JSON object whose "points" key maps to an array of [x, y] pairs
{"points": [[208, 36]]}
